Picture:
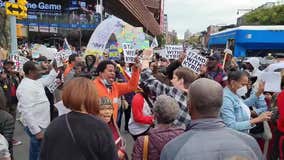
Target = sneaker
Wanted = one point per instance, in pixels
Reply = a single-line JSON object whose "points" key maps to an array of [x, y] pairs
{"points": [[16, 143]]}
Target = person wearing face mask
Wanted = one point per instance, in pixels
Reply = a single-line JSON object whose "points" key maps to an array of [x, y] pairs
{"points": [[235, 111], [107, 86], [34, 105]]}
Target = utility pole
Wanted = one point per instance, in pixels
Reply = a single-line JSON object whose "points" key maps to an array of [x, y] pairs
{"points": [[13, 34]]}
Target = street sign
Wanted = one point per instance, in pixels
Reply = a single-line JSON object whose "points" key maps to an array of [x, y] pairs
{"points": [[22, 2], [14, 9]]}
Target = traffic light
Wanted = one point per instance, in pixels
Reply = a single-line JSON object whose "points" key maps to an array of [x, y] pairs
{"points": [[22, 2]]}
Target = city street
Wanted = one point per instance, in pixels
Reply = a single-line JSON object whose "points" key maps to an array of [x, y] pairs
{"points": [[195, 79], [21, 152]]}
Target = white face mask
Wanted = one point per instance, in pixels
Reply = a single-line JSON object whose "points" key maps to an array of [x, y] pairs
{"points": [[242, 91]]}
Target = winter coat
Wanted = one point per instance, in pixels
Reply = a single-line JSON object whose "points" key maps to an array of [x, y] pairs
{"points": [[158, 138]]}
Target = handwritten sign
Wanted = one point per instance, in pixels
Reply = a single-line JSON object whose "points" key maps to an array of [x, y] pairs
{"points": [[173, 51], [129, 53], [194, 61], [54, 85], [59, 59]]}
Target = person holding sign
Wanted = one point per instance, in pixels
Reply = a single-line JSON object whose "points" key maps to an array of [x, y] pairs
{"points": [[182, 78], [235, 111], [34, 105], [107, 86]]}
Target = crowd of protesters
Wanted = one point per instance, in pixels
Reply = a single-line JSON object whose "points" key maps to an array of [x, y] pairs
{"points": [[170, 111]]}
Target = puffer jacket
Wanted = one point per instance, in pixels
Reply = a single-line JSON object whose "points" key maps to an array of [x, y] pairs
{"points": [[158, 138]]}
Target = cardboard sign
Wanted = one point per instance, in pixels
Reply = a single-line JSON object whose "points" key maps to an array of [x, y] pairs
{"points": [[194, 61], [173, 51], [129, 53]]}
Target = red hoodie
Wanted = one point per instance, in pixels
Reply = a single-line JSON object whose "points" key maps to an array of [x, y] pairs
{"points": [[280, 104]]}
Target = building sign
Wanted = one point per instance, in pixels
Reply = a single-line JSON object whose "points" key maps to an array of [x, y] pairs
{"points": [[42, 6]]}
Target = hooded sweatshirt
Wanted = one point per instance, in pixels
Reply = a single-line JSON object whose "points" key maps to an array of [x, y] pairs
{"points": [[158, 138], [256, 64]]}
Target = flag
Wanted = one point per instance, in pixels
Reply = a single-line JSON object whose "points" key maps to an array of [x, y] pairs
{"points": [[154, 43], [66, 45]]}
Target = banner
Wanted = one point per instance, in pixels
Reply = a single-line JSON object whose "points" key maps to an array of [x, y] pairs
{"points": [[129, 53], [101, 35], [173, 51], [194, 61]]}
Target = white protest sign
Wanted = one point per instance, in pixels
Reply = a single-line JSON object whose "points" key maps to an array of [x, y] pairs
{"points": [[272, 81], [129, 53], [173, 51], [102, 34], [54, 85], [59, 59], [194, 61], [22, 61]]}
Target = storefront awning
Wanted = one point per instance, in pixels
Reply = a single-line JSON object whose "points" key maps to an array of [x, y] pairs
{"points": [[135, 13]]}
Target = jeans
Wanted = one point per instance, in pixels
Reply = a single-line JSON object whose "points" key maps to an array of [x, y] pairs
{"points": [[34, 145]]}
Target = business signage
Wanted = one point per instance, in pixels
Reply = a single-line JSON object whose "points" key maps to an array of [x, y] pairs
{"points": [[42, 5]]}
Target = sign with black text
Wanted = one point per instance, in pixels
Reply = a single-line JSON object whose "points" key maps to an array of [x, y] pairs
{"points": [[129, 53], [173, 51], [194, 61]]}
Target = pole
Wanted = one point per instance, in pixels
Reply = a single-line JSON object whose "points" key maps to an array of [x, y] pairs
{"points": [[101, 10], [13, 34]]}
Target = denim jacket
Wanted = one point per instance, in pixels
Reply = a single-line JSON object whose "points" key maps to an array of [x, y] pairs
{"points": [[232, 112], [260, 105]]}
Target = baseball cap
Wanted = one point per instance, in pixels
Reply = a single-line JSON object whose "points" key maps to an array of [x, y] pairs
{"points": [[215, 56], [42, 58], [228, 51]]}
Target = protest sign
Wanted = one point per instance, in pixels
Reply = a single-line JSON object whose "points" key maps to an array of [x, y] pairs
{"points": [[102, 33], [58, 58], [194, 61], [22, 61], [54, 85], [173, 51], [272, 81], [129, 53]]}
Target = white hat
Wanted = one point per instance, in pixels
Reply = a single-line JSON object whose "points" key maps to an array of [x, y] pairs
{"points": [[4, 151], [228, 51]]}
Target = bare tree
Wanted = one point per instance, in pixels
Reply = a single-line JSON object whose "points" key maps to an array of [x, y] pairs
{"points": [[4, 29]]}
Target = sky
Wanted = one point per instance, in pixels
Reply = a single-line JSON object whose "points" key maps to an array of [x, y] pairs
{"points": [[197, 15]]}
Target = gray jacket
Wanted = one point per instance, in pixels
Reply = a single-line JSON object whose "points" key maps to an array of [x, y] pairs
{"points": [[211, 139]]}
